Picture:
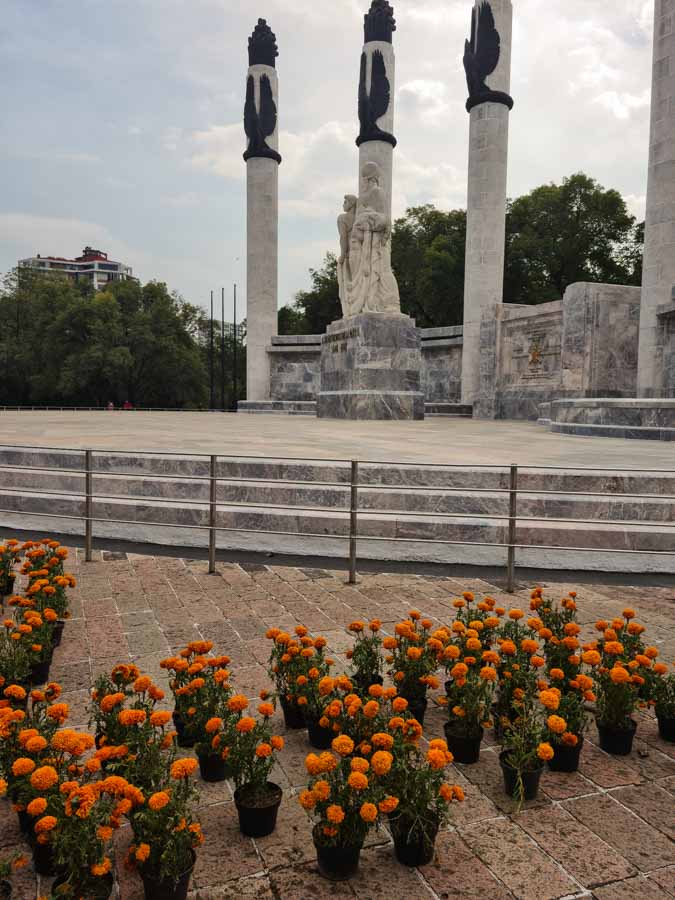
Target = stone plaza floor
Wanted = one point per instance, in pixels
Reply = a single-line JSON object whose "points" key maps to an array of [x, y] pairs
{"points": [[457, 441], [607, 831]]}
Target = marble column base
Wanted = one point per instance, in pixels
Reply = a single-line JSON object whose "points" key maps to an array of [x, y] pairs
{"points": [[371, 369]]}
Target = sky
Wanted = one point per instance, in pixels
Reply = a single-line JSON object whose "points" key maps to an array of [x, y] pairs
{"points": [[121, 123]]}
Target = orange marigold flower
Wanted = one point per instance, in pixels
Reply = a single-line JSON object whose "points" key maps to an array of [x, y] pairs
{"points": [[556, 724], [487, 673], [183, 768], [36, 807], [238, 703], [44, 778], [142, 852], [158, 800], [130, 717], [36, 744], [436, 759], [245, 725], [569, 739], [335, 814], [263, 751], [388, 805], [382, 762], [321, 790], [343, 745], [357, 781], [101, 868], [277, 742], [545, 751], [307, 800], [382, 741], [368, 812], [619, 675], [47, 823], [160, 718]]}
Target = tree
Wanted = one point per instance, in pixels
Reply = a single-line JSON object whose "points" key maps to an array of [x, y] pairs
{"points": [[560, 234]]}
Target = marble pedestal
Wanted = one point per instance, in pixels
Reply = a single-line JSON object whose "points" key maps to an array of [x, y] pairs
{"points": [[371, 369]]}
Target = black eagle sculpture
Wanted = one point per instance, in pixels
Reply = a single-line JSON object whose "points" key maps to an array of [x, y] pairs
{"points": [[481, 58], [374, 104], [260, 124]]}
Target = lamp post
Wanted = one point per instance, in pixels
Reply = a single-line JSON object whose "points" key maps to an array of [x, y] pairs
{"points": [[234, 353], [212, 401]]}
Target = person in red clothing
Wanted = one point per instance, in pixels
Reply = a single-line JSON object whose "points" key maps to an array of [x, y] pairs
{"points": [[127, 405]]}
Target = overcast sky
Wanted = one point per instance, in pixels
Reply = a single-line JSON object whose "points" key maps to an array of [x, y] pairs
{"points": [[121, 121]]}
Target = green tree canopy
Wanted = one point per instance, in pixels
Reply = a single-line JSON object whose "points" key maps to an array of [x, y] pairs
{"points": [[62, 343], [555, 235]]}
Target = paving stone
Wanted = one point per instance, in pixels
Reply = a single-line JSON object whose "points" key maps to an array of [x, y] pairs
{"points": [[517, 861], [652, 803], [291, 842], [225, 854], [587, 858], [629, 890], [641, 844], [563, 785], [305, 881], [665, 879], [457, 874], [381, 877], [604, 770], [256, 886]]}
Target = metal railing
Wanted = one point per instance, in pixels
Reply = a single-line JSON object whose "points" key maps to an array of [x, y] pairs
{"points": [[352, 485]]}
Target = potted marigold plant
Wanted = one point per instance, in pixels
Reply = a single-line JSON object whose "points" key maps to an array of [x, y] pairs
{"points": [[662, 697], [419, 798], [86, 819], [469, 697], [525, 749], [186, 669], [166, 835], [615, 660], [9, 553], [291, 658], [414, 656], [14, 655], [312, 691], [359, 718], [366, 654], [8, 865], [565, 729], [251, 749], [343, 797]]}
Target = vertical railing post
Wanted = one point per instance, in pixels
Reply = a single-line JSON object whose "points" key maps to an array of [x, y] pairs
{"points": [[213, 483], [353, 520], [88, 505], [513, 525]]}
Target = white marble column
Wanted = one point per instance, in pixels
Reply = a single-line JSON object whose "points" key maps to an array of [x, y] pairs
{"points": [[486, 203], [659, 255], [381, 152], [262, 213]]}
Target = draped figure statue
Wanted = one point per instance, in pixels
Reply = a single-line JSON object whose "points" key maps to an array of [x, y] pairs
{"points": [[366, 281]]}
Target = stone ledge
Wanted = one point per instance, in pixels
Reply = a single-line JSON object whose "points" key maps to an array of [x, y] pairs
{"points": [[614, 431]]}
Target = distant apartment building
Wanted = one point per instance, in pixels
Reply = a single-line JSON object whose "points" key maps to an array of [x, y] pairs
{"points": [[93, 266]]}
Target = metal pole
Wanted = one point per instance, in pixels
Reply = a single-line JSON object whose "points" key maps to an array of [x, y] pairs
{"points": [[234, 353], [513, 524], [212, 401], [353, 521], [212, 516], [88, 506], [222, 349]]}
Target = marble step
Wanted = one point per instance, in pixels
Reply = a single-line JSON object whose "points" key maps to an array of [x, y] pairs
{"points": [[432, 501], [392, 474]]}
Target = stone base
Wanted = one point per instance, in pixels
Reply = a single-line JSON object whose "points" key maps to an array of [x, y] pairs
{"points": [[642, 419], [371, 369], [280, 407]]}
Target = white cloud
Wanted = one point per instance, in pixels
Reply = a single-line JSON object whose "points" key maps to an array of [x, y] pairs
{"points": [[621, 105]]}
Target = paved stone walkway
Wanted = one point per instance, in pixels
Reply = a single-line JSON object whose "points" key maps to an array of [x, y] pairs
{"points": [[606, 832]]}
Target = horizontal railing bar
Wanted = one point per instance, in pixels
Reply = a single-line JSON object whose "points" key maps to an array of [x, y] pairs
{"points": [[49, 515], [595, 549], [616, 496]]}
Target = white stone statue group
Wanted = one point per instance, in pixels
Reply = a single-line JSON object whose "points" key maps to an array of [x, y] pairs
{"points": [[367, 283]]}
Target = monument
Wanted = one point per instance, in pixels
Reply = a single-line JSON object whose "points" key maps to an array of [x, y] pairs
{"points": [[371, 358], [262, 200], [656, 356], [487, 62]]}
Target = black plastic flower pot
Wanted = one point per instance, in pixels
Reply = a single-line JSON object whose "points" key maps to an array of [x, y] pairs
{"points": [[319, 737], [667, 728], [183, 737], [5, 890], [465, 748], [566, 759], [448, 686], [617, 741], [26, 823], [258, 814], [95, 888], [39, 672], [336, 863], [528, 789], [157, 888], [57, 632], [293, 715], [212, 767], [414, 844], [43, 860], [417, 707]]}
